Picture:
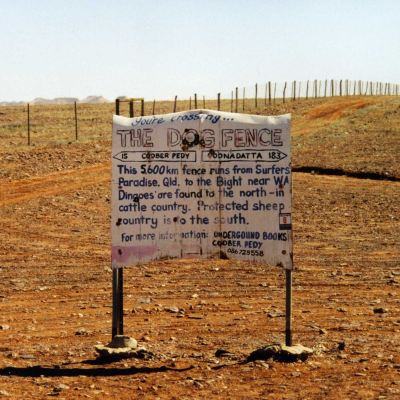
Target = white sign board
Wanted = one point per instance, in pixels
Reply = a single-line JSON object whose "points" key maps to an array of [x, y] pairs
{"points": [[201, 184]]}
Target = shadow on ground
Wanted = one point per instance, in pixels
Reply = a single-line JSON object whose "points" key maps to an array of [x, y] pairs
{"points": [[59, 371]]}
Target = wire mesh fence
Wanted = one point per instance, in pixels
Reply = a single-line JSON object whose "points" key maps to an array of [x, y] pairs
{"points": [[65, 123]]}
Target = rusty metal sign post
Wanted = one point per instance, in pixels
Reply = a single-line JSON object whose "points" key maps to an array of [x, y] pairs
{"points": [[200, 184]]}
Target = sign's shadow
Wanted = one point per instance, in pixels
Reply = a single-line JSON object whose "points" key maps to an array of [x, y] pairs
{"points": [[58, 371]]}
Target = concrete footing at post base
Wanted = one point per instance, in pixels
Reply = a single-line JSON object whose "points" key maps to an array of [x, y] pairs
{"points": [[123, 347]]}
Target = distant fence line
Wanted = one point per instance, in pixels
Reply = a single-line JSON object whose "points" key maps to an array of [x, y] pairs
{"points": [[299, 90], [252, 98]]}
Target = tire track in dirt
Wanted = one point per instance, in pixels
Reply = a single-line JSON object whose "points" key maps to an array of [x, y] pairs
{"points": [[47, 185], [62, 182], [343, 181], [341, 172], [325, 114], [332, 112]]}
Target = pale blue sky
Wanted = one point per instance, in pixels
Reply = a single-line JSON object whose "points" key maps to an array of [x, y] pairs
{"points": [[156, 49]]}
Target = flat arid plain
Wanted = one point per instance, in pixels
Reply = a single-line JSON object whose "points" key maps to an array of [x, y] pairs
{"points": [[56, 280]]}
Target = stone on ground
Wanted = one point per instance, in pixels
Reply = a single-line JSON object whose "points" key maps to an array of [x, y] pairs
{"points": [[281, 352]]}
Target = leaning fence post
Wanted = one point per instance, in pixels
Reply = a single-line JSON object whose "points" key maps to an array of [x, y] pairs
{"points": [[284, 93], [76, 123]]}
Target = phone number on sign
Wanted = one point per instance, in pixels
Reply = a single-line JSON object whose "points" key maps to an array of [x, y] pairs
{"points": [[256, 253]]}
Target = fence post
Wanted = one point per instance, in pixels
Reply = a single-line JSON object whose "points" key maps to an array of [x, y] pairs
{"points": [[340, 88], [190, 103], [256, 95], [326, 84], [116, 106], [298, 96], [275, 93], [265, 100], [176, 97], [307, 90], [142, 108], [219, 101], [204, 101], [237, 95], [154, 106], [29, 128], [131, 111], [316, 88], [294, 91], [232, 101], [195, 101], [76, 123], [244, 97], [284, 93], [269, 92]]}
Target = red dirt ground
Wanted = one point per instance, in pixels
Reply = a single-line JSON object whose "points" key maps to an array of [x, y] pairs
{"points": [[56, 279]]}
